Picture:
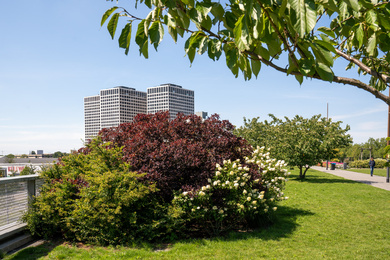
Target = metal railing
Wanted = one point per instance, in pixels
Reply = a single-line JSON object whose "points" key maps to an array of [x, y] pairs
{"points": [[15, 193]]}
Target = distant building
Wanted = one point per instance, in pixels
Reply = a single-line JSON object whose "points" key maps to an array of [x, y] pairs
{"points": [[112, 107], [202, 114], [14, 168], [172, 98], [39, 151]]}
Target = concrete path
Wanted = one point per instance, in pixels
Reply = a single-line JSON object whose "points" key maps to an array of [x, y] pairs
{"points": [[376, 181]]}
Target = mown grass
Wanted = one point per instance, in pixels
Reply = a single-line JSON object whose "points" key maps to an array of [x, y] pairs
{"points": [[326, 217], [378, 172]]}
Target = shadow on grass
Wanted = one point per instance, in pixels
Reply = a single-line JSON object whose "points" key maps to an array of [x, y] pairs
{"points": [[34, 252], [282, 224], [321, 179]]}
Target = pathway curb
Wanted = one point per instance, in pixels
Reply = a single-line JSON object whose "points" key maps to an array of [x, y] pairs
{"points": [[376, 181]]}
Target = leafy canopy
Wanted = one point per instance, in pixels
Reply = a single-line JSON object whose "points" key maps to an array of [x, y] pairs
{"points": [[300, 141], [296, 37]]}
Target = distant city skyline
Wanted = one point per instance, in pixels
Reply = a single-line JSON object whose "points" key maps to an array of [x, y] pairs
{"points": [[118, 105], [64, 56]]}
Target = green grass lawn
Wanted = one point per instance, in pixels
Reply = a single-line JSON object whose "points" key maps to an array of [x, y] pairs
{"points": [[326, 217], [378, 172]]}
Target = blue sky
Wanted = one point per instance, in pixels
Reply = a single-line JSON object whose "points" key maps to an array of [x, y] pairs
{"points": [[54, 53]]}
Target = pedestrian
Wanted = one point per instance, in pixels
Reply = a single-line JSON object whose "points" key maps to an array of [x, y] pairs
{"points": [[372, 165]]}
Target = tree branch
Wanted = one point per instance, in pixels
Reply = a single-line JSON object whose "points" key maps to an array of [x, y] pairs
{"points": [[363, 66], [337, 79], [283, 39]]}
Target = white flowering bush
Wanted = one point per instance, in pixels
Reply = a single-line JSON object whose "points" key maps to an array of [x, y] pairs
{"points": [[237, 194]]}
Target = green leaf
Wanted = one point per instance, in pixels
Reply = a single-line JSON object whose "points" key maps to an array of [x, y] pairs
{"points": [[112, 24], [206, 23], [203, 44], [322, 55], [371, 45], [256, 66], [125, 37], [384, 21], [156, 33], [305, 16], [299, 78], [371, 18], [142, 40], [231, 61], [230, 20], [173, 32], [305, 66], [241, 33], [191, 3], [282, 8], [107, 14], [204, 9], [360, 35], [327, 31], [263, 52], [218, 11], [326, 45], [214, 49], [330, 4], [324, 71], [354, 4]]}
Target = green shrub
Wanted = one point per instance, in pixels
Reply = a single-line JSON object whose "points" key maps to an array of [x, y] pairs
{"points": [[95, 198], [28, 170], [379, 163], [235, 196]]}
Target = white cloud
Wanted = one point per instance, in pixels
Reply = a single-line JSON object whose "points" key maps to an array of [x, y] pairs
{"points": [[361, 113]]}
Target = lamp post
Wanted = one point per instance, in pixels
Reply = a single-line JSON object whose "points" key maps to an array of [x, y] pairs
{"points": [[327, 116], [388, 141]]}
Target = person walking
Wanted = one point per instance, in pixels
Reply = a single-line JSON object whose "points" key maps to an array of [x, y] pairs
{"points": [[372, 165]]}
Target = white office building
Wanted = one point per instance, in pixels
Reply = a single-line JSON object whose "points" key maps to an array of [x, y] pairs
{"points": [[172, 98], [112, 107]]}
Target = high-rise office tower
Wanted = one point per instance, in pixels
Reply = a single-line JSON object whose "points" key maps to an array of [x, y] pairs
{"points": [[172, 98], [112, 107]]}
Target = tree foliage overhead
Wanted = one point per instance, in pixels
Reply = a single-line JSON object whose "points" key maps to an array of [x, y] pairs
{"points": [[300, 141], [296, 37]]}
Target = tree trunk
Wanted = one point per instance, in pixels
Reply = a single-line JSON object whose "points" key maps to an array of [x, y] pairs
{"points": [[301, 175]]}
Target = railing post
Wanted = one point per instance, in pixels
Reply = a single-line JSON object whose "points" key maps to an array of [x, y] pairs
{"points": [[31, 189]]}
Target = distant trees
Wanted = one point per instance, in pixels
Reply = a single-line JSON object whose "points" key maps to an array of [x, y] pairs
{"points": [[59, 154], [299, 141], [9, 158], [355, 152]]}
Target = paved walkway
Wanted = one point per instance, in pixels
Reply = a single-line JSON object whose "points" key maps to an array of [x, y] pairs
{"points": [[376, 181]]}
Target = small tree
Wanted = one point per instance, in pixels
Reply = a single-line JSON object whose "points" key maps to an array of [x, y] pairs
{"points": [[10, 158], [301, 142], [28, 170]]}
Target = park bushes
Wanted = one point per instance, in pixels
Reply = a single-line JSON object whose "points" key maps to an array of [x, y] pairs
{"points": [[379, 163], [177, 154], [197, 181]]}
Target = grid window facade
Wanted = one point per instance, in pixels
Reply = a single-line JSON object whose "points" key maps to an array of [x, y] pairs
{"points": [[111, 108], [172, 98], [91, 116]]}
